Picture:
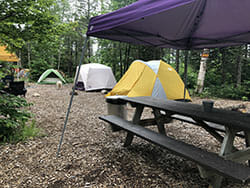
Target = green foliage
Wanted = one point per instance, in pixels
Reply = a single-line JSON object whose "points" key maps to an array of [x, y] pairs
{"points": [[37, 68], [191, 76], [22, 19], [69, 80], [13, 118], [222, 72], [29, 131], [50, 34], [121, 3], [227, 91], [244, 98]]}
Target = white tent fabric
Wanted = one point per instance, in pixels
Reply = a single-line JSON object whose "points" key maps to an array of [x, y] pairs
{"points": [[96, 76]]}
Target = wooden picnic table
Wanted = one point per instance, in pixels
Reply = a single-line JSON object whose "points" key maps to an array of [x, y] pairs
{"points": [[211, 165]]}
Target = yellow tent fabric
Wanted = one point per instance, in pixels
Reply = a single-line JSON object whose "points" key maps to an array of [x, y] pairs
{"points": [[6, 56], [153, 78]]}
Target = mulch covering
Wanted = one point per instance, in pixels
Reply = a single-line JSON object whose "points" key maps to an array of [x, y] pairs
{"points": [[92, 155]]}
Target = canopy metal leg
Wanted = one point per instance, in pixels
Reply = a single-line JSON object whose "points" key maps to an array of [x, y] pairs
{"points": [[72, 95]]}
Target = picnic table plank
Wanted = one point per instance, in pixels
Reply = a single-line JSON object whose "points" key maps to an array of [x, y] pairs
{"points": [[236, 120], [206, 159]]}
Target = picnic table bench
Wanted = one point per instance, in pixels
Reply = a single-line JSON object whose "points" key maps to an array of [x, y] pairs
{"points": [[213, 166]]}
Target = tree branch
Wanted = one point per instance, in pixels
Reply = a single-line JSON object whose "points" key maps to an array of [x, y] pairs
{"points": [[7, 16]]}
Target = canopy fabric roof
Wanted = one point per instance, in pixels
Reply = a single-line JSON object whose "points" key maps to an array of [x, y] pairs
{"points": [[7, 56], [181, 24]]}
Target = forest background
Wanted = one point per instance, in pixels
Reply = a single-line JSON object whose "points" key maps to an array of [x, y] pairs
{"points": [[50, 34]]}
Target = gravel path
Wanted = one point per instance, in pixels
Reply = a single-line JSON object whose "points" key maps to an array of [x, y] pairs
{"points": [[93, 156]]}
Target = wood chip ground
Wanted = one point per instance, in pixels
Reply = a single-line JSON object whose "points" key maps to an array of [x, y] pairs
{"points": [[93, 156]]}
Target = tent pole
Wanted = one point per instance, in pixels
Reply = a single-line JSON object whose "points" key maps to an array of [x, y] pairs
{"points": [[72, 95], [185, 73]]}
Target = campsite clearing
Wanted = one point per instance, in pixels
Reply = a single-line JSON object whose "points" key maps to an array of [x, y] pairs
{"points": [[92, 155]]}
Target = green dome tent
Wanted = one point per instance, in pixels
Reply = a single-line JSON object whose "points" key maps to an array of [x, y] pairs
{"points": [[50, 76]]}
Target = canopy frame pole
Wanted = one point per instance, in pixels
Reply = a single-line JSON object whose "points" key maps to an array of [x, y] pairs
{"points": [[72, 95]]}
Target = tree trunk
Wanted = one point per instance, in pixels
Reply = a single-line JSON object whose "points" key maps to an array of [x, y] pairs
{"points": [[239, 68], [59, 58], [89, 44], [223, 63], [177, 60], [185, 72], [102, 5], [202, 71], [19, 63], [127, 53], [168, 55], [121, 68], [29, 54], [246, 50], [70, 60], [76, 53], [114, 62]]}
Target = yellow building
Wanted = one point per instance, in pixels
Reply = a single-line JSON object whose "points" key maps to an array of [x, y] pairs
{"points": [[7, 56]]}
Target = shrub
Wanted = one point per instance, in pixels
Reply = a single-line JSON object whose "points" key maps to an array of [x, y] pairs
{"points": [[14, 119], [37, 68], [227, 91], [69, 80]]}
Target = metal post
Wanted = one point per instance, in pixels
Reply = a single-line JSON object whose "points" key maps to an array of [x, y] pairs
{"points": [[72, 95], [185, 73]]}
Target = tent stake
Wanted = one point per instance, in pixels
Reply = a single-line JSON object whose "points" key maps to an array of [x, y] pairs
{"points": [[72, 95], [185, 73]]}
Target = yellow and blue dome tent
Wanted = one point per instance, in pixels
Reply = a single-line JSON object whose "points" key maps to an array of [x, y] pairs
{"points": [[153, 78]]}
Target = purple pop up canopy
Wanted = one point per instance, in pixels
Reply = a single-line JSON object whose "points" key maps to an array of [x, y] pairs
{"points": [[181, 24]]}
